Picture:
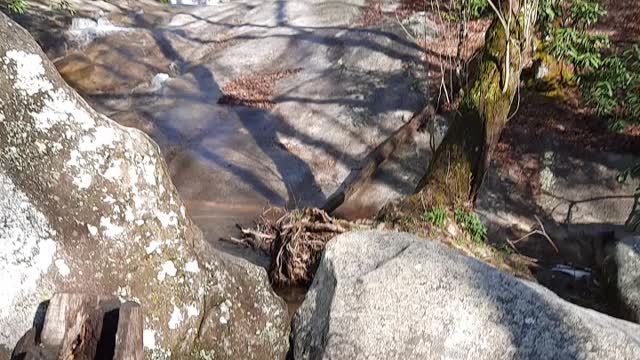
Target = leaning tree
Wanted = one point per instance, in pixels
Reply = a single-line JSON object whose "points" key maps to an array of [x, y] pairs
{"points": [[457, 168]]}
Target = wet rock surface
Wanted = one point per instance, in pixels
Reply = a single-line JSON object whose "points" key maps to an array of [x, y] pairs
{"points": [[394, 296], [87, 205]]}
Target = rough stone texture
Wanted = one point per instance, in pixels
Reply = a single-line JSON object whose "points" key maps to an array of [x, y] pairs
{"points": [[575, 189], [87, 205], [393, 296], [576, 195], [622, 269]]}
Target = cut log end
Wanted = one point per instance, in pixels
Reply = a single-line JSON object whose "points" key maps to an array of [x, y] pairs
{"points": [[84, 327]]}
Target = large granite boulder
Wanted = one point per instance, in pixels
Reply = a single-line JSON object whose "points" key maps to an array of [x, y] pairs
{"points": [[621, 270], [393, 296], [86, 205]]}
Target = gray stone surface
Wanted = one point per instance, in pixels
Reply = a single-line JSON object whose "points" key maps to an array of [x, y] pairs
{"points": [[575, 188], [356, 86], [87, 205], [622, 269], [393, 296]]}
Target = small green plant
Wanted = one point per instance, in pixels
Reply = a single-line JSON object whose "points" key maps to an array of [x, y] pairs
{"points": [[585, 13], [613, 89], [17, 6], [578, 48], [476, 8], [407, 220], [465, 10], [64, 5], [506, 249], [608, 78], [471, 224], [435, 216]]}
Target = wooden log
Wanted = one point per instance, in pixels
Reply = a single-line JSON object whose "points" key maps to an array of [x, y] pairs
{"points": [[129, 335], [84, 327], [357, 179]]}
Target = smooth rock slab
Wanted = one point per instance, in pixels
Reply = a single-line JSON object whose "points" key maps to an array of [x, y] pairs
{"points": [[393, 296], [87, 205]]}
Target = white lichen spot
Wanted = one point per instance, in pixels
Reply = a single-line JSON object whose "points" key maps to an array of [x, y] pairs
{"points": [[59, 108], [103, 136], [109, 199], [114, 172], [192, 310], [83, 181], [182, 211], [29, 72], [224, 312], [122, 293], [192, 266], [128, 214], [176, 318], [149, 339], [149, 170], [63, 269], [41, 147], [27, 252], [92, 230], [110, 230], [74, 159], [154, 246], [167, 269], [1, 117], [170, 219]]}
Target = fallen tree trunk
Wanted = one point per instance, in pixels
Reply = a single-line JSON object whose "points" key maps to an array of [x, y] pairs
{"points": [[361, 176]]}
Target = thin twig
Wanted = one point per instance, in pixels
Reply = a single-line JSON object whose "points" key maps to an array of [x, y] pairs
{"points": [[541, 232]]}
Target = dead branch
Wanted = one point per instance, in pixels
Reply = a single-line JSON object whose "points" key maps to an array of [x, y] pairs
{"points": [[380, 154], [542, 232], [295, 240]]}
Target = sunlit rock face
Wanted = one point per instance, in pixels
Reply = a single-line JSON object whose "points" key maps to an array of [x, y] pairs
{"points": [[86, 205], [195, 2], [389, 295]]}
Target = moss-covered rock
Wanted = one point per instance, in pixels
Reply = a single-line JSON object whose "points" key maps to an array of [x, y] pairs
{"points": [[86, 205]]}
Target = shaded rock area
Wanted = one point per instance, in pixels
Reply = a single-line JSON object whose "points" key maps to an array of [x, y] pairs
{"points": [[580, 191], [567, 178], [621, 269], [394, 296], [87, 205]]}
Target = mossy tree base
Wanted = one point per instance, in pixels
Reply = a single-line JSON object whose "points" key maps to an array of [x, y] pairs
{"points": [[458, 166]]}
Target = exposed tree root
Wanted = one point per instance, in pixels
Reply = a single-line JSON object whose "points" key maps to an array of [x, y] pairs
{"points": [[295, 241]]}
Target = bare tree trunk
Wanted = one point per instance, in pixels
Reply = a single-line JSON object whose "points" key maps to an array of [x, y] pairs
{"points": [[458, 166]]}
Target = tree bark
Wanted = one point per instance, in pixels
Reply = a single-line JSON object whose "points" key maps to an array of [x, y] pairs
{"points": [[458, 166]]}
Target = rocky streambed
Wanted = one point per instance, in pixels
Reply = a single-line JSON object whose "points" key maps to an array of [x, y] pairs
{"points": [[256, 103]]}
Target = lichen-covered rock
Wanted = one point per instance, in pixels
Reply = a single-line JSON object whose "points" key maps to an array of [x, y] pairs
{"points": [[393, 296], [622, 275], [86, 205]]}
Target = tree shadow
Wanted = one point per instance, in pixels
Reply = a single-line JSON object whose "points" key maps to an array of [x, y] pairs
{"points": [[259, 124]]}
